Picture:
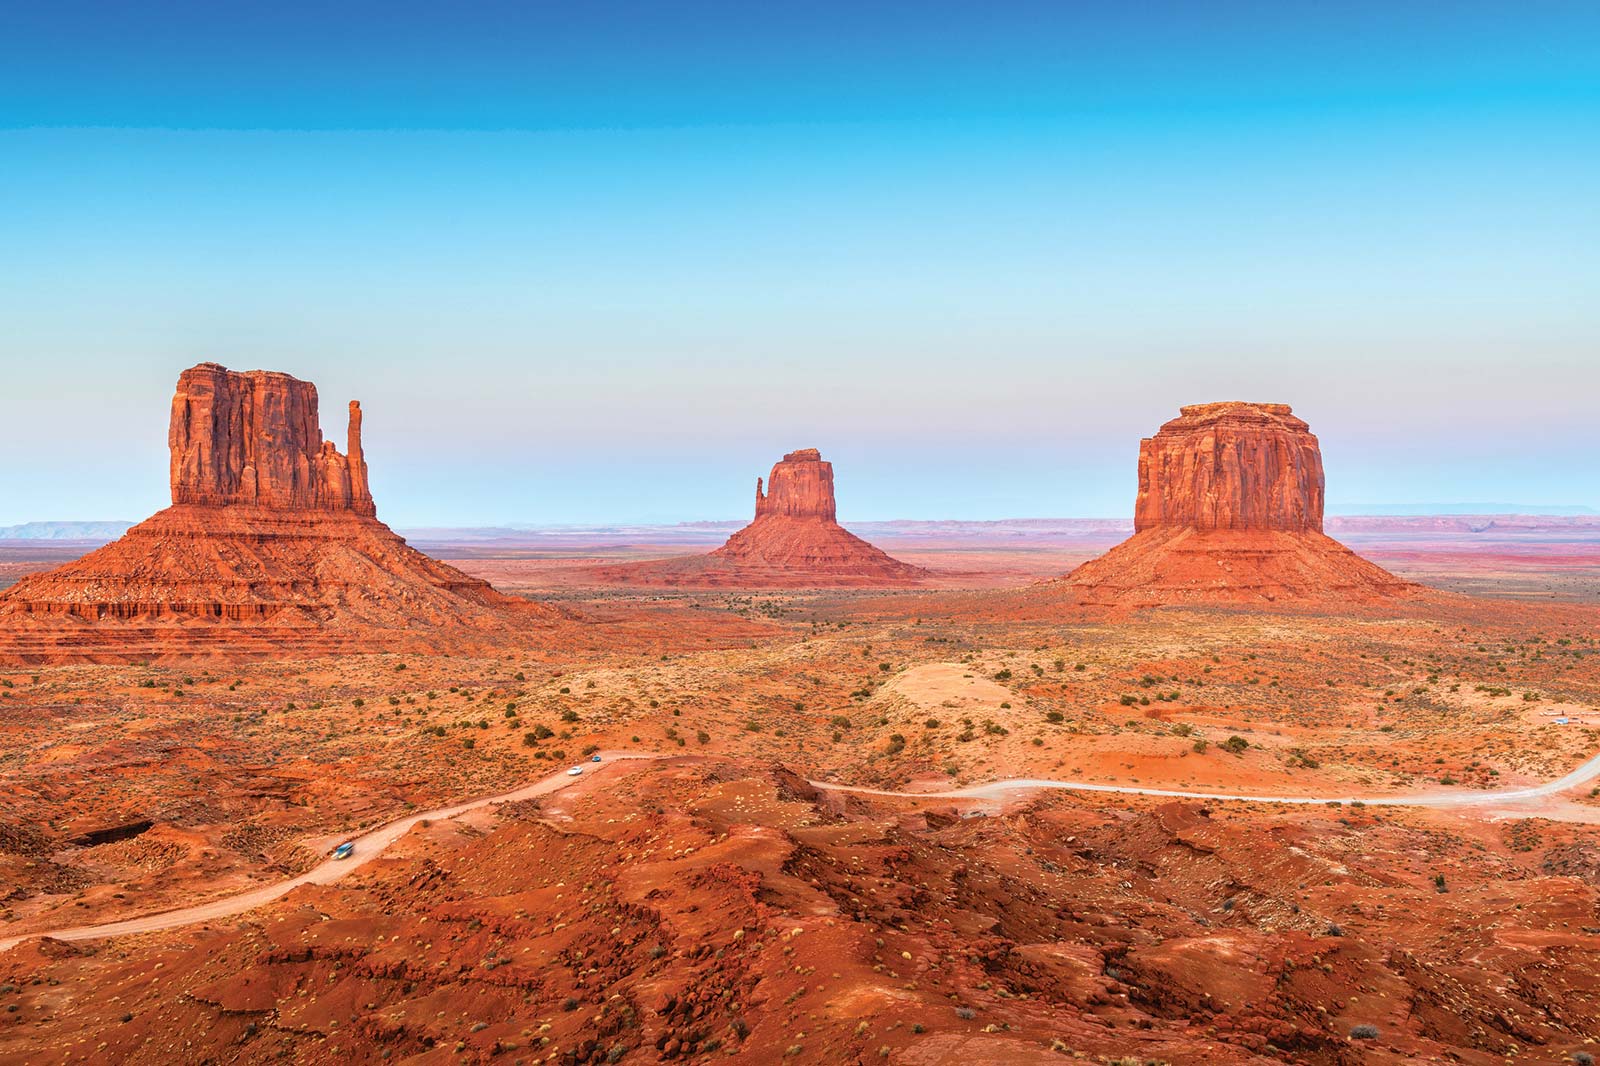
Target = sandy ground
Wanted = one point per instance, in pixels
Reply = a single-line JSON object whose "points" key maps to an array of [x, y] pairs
{"points": [[1097, 904]]}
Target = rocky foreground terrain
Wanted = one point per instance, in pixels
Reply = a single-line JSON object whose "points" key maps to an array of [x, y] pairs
{"points": [[713, 904]]}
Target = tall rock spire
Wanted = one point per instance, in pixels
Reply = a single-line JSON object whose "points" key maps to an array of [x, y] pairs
{"points": [[801, 486], [254, 438], [272, 544]]}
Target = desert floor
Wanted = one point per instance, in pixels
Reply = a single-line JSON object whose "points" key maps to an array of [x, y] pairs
{"points": [[711, 901]]}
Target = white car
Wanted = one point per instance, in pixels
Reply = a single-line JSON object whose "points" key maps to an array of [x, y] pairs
{"points": [[575, 771]]}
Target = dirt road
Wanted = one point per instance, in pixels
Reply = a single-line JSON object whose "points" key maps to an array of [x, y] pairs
{"points": [[368, 846], [372, 844]]}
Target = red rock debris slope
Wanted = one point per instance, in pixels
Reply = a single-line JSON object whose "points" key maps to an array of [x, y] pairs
{"points": [[795, 541], [271, 545], [701, 913], [1230, 510]]}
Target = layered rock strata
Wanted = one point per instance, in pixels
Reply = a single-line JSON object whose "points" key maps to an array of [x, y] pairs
{"points": [[271, 544], [795, 541], [1229, 509]]}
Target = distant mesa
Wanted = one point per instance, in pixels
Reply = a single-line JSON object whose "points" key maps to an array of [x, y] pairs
{"points": [[69, 531], [271, 545], [795, 541], [1230, 510]]}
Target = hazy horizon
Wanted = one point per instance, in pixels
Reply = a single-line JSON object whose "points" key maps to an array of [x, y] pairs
{"points": [[615, 261]]}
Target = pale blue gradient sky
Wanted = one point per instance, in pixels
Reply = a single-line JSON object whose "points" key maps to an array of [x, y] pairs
{"points": [[615, 276]]}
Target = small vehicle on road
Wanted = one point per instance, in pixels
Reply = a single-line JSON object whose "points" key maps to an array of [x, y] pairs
{"points": [[575, 771], [595, 759], [345, 850]]}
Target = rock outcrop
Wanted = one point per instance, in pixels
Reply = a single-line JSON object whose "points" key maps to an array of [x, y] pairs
{"points": [[271, 546], [795, 541], [1231, 466], [255, 438], [801, 486], [1229, 509]]}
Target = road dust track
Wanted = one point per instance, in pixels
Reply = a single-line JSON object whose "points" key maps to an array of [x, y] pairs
{"points": [[368, 846], [996, 790], [372, 844]]}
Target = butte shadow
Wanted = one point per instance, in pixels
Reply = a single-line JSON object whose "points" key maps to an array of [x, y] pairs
{"points": [[272, 546], [795, 541]]}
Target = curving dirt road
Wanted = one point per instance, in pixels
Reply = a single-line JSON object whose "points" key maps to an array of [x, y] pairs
{"points": [[1583, 774], [368, 846], [371, 844]]}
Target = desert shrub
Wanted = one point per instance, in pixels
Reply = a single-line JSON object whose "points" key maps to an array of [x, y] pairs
{"points": [[1235, 744], [1364, 1032]]}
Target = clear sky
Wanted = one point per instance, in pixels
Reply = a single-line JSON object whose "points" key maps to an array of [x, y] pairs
{"points": [[606, 262]]}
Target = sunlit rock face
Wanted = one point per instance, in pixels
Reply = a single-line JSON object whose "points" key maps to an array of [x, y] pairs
{"points": [[254, 438], [1233, 465]]}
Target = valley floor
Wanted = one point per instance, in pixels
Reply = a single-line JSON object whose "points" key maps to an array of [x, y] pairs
{"points": [[716, 902]]}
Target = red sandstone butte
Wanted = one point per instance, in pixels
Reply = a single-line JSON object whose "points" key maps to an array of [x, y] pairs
{"points": [[794, 542], [254, 438], [271, 546], [1230, 510]]}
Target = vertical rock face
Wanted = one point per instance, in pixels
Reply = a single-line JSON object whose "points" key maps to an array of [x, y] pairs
{"points": [[1230, 511], [271, 546], [795, 541], [1238, 466], [254, 438], [801, 486]]}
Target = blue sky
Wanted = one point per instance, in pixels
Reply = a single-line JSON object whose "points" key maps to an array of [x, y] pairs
{"points": [[607, 263]]}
